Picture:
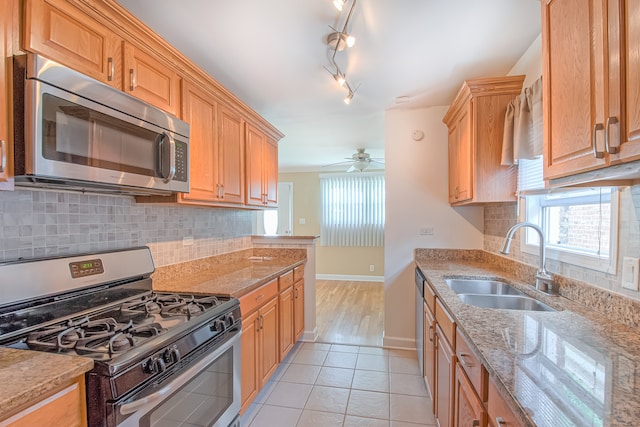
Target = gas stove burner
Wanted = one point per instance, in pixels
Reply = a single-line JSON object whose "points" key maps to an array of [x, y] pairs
{"points": [[183, 308]]}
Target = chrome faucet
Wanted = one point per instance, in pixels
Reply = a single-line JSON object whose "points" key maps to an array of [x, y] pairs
{"points": [[544, 281]]}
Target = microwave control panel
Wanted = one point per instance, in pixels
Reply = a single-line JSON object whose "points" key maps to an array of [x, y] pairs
{"points": [[182, 157]]}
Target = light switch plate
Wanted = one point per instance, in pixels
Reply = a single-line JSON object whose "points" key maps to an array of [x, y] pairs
{"points": [[630, 268]]}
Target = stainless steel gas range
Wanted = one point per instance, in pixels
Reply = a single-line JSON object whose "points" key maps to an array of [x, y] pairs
{"points": [[159, 359]]}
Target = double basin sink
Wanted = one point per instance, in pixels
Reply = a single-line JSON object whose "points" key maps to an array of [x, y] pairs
{"points": [[494, 294]]}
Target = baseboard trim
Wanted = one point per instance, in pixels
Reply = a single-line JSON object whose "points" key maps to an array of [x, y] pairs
{"points": [[310, 336], [348, 277], [397, 342]]}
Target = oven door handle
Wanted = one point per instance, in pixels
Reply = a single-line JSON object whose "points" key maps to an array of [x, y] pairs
{"points": [[157, 396]]}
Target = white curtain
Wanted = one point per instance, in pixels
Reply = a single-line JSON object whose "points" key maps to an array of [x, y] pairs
{"points": [[352, 209]]}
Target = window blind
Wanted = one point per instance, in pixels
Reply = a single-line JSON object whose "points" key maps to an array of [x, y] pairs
{"points": [[530, 175], [352, 209]]}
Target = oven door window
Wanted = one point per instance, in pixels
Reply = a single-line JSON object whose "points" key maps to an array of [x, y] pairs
{"points": [[201, 401], [76, 134]]}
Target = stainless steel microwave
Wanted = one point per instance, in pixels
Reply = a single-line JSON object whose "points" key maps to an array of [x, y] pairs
{"points": [[77, 133]]}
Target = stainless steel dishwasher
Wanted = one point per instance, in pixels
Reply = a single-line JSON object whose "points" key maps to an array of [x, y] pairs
{"points": [[420, 318]]}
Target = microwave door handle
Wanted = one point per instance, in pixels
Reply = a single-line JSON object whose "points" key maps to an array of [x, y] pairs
{"points": [[172, 157]]}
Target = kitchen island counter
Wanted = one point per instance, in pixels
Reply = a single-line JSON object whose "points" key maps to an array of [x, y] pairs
{"points": [[234, 274], [573, 366], [29, 376]]}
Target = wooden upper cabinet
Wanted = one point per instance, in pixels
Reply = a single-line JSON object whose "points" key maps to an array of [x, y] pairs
{"points": [[6, 139], [262, 168], [200, 111], [151, 80], [476, 124], [231, 155], [574, 85], [624, 68], [59, 31], [591, 95]]}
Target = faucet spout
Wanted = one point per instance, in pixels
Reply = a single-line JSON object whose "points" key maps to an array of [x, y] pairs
{"points": [[544, 281]]}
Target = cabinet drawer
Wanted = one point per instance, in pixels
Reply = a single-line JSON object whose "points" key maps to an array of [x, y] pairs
{"points": [[446, 322], [471, 365], [256, 298], [298, 273], [500, 414], [285, 280], [430, 297]]}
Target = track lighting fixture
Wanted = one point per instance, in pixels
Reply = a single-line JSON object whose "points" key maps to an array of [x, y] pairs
{"points": [[338, 41]]}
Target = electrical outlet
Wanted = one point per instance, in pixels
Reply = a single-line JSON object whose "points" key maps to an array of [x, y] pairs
{"points": [[630, 268], [426, 231], [302, 221], [187, 241], [372, 267]]}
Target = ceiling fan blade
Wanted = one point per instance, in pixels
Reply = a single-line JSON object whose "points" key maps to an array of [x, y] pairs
{"points": [[351, 169], [335, 164]]}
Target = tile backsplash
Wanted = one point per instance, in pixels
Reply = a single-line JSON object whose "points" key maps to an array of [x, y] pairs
{"points": [[499, 217], [48, 223]]}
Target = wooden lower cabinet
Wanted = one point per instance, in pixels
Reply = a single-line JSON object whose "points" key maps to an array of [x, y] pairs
{"points": [[429, 352], [468, 409], [66, 407], [444, 380], [499, 412], [298, 309], [259, 341], [286, 321]]}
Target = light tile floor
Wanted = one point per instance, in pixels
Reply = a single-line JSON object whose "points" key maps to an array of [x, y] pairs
{"points": [[326, 385]]}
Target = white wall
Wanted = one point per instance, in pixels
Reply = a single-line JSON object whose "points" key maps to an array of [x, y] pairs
{"points": [[417, 196], [530, 63]]}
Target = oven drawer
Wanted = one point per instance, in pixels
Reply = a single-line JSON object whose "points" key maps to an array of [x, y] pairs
{"points": [[256, 298]]}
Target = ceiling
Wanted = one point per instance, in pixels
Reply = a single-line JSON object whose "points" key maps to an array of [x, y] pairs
{"points": [[271, 55]]}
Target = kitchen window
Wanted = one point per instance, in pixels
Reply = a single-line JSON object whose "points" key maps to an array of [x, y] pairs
{"points": [[352, 209], [580, 225]]}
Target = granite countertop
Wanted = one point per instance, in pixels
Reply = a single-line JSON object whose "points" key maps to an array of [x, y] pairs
{"points": [[232, 276], [28, 376], [570, 367]]}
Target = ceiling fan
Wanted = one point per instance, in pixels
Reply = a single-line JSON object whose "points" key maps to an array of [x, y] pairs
{"points": [[359, 161]]}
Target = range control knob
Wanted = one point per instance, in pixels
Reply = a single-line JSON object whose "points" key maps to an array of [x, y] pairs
{"points": [[154, 365], [171, 355], [217, 325], [229, 320]]}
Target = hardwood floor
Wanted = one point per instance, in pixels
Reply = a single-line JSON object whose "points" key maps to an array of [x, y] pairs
{"points": [[350, 312]]}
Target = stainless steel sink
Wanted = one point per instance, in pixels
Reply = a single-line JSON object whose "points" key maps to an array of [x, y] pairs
{"points": [[481, 286], [508, 302]]}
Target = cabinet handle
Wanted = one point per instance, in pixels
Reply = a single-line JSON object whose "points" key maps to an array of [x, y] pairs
{"points": [[259, 297], [132, 79], [218, 191], [500, 421], [261, 322], [456, 193], [111, 71], [476, 423], [597, 154], [3, 160], [222, 191], [611, 150], [463, 356], [431, 333]]}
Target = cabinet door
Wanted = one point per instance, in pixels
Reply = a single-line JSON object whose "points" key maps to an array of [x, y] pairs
{"points": [[199, 110], [624, 69], [231, 155], [468, 411], [269, 340], [430, 352], [271, 173], [286, 321], [573, 43], [59, 31], [499, 412], [148, 79], [254, 163], [460, 158], [250, 358], [6, 141], [298, 309], [444, 380], [65, 408]]}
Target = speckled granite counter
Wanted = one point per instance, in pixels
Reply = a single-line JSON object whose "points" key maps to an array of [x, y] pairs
{"points": [[27, 376], [233, 274], [571, 367]]}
